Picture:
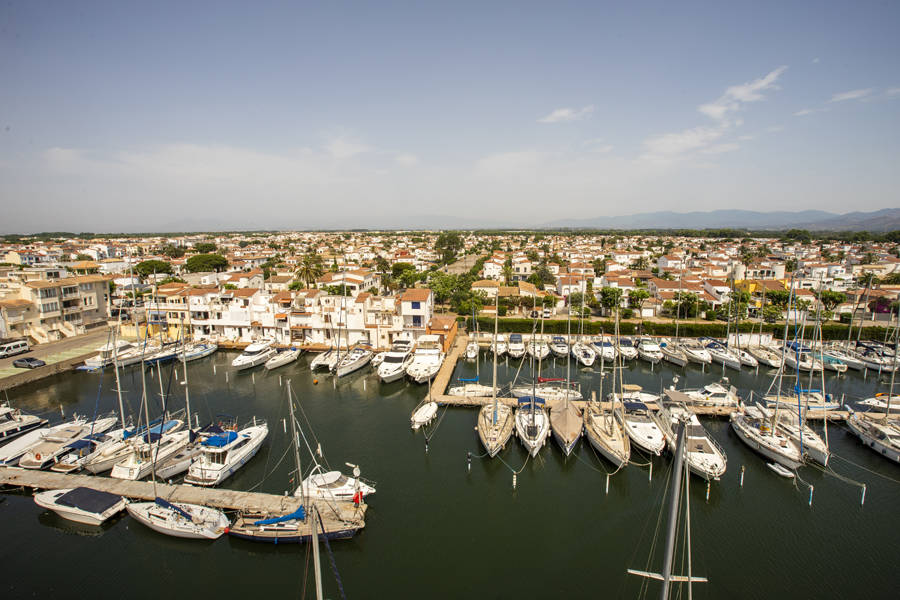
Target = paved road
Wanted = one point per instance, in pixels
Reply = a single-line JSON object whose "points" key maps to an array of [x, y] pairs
{"points": [[57, 351]]}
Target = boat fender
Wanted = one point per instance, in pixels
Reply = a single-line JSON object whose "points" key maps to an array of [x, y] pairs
{"points": [[37, 456]]}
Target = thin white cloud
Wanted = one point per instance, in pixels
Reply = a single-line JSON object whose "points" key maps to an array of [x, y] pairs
{"points": [[671, 146], [344, 147], [852, 95], [597, 145], [774, 129], [815, 60], [736, 95], [564, 115], [407, 160], [892, 92], [805, 111]]}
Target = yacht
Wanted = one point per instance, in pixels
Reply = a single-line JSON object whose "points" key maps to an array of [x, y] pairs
{"points": [[151, 447], [765, 356], [844, 356], [722, 354], [427, 359], [583, 353], [470, 389], [627, 348], [811, 444], [550, 389], [395, 361], [798, 357], [538, 349], [532, 424], [13, 423], [695, 352], [82, 505], [747, 359], [334, 485], [197, 350], [352, 361], [516, 347], [879, 403], [54, 441], [222, 455], [881, 435], [559, 347], [254, 355], [604, 349], [606, 434], [704, 455], [673, 353], [641, 424], [472, 349], [649, 350], [116, 448], [501, 344], [712, 394], [285, 357]]}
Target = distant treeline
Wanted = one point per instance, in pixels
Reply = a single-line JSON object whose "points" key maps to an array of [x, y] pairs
{"points": [[688, 329], [44, 236]]}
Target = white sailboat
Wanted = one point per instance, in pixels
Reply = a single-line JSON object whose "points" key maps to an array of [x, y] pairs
{"points": [[495, 420], [326, 360], [354, 360], [604, 430], [704, 455], [285, 357]]}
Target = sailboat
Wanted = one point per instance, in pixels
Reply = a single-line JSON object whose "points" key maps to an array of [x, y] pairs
{"points": [[604, 430], [335, 520], [704, 455], [566, 421], [495, 420]]}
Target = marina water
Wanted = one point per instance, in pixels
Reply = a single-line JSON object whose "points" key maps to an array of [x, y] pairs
{"points": [[435, 529]]}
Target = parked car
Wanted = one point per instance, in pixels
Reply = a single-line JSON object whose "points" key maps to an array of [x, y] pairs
{"points": [[13, 348], [547, 313], [28, 363]]}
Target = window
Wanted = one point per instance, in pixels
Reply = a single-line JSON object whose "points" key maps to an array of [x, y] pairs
{"points": [[48, 293], [85, 287], [417, 321], [50, 307], [416, 305]]}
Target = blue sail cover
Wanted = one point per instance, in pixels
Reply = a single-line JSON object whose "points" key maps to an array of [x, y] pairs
{"points": [[166, 504], [219, 441], [468, 379], [635, 406], [300, 513], [527, 400]]}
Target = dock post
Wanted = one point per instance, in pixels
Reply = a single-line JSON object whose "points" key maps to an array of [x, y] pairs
{"points": [[811, 488], [214, 369], [742, 475], [651, 471], [607, 484], [253, 378]]}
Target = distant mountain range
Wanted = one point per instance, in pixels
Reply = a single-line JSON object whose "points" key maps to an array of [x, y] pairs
{"points": [[887, 219]]}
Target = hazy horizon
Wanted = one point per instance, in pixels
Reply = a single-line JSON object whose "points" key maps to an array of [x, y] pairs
{"points": [[207, 116]]}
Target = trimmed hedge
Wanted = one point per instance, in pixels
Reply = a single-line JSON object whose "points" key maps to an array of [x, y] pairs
{"points": [[687, 329]]}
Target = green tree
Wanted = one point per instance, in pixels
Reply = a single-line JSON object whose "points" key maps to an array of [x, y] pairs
{"points": [[610, 297], [243, 243], [636, 299], [205, 262], [778, 297], [80, 256], [149, 267], [771, 313], [382, 265], [790, 265], [867, 259], [830, 299], [443, 285], [204, 248], [399, 268], [309, 268], [448, 245], [172, 251]]}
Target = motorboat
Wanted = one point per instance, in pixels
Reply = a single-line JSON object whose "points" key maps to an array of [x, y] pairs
{"points": [[222, 455], [538, 349], [559, 346], [11, 453], [879, 403], [81, 504], [254, 355], [180, 519], [377, 359], [501, 345], [116, 448], [81, 450], [584, 354], [532, 424], [695, 352], [326, 360], [197, 350], [516, 346], [55, 440], [844, 356], [747, 359], [719, 394], [334, 485], [604, 349], [704, 455], [354, 360], [427, 359], [423, 415], [649, 350], [14, 422], [285, 357], [395, 361], [472, 349], [108, 354], [673, 353], [151, 447], [627, 348]]}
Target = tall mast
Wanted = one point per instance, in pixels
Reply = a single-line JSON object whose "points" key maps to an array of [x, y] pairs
{"points": [[569, 352], [673, 516], [494, 380], [894, 370], [116, 370], [187, 395], [783, 356]]}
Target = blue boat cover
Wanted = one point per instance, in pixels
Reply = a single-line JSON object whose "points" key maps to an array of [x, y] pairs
{"points": [[515, 337], [151, 437], [212, 428], [166, 504], [635, 406], [88, 500], [300, 513], [527, 400], [475, 379], [218, 441]]}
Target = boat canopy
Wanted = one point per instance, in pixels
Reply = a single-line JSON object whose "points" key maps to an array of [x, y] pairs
{"points": [[634, 406], [515, 337], [167, 504], [219, 441], [84, 442], [527, 400], [300, 513], [88, 500]]}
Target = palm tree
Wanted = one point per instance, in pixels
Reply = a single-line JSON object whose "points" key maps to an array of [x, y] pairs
{"points": [[310, 268]]}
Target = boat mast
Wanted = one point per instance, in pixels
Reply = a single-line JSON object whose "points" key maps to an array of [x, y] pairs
{"points": [[569, 352], [187, 395], [887, 410], [494, 381], [783, 356], [673, 515], [116, 370]]}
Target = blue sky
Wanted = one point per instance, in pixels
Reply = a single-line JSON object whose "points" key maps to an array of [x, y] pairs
{"points": [[139, 116]]}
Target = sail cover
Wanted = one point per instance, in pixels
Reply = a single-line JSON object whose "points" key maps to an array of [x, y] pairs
{"points": [[219, 441], [300, 513], [166, 504]]}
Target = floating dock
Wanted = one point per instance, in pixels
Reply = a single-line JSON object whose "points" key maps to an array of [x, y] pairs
{"points": [[250, 502]]}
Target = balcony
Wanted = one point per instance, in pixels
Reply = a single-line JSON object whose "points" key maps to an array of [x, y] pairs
{"points": [[69, 292]]}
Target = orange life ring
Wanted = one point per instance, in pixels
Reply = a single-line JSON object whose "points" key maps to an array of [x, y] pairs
{"points": [[37, 456]]}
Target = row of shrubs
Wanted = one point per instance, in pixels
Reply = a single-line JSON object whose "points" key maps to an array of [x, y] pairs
{"points": [[688, 329]]}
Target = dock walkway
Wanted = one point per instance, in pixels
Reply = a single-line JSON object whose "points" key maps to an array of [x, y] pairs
{"points": [[216, 497]]}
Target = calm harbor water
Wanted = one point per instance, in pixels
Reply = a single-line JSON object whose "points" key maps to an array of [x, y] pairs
{"points": [[435, 530]]}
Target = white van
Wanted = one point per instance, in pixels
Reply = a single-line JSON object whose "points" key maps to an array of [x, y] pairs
{"points": [[13, 348]]}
